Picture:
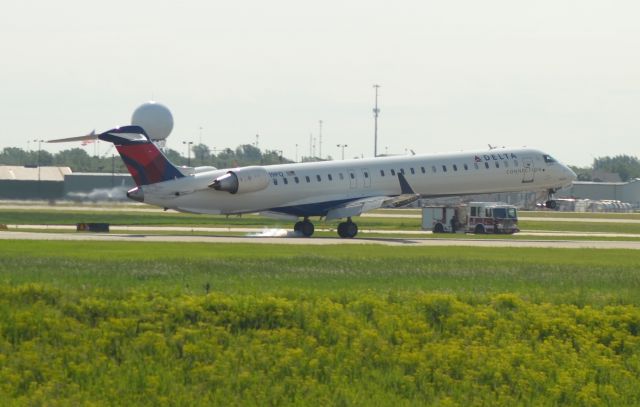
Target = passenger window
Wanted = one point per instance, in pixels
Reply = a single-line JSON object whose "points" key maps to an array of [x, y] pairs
{"points": [[352, 176], [466, 167], [330, 177], [433, 168], [275, 181], [318, 178], [423, 170], [393, 172], [402, 171], [286, 181], [412, 170], [497, 164], [486, 165], [444, 168], [366, 174], [455, 167], [307, 178], [382, 173], [296, 179]]}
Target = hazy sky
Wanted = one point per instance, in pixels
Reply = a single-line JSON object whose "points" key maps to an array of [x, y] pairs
{"points": [[563, 76]]}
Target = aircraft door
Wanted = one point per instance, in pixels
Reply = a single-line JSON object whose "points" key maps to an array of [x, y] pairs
{"points": [[366, 177], [528, 170], [353, 178]]}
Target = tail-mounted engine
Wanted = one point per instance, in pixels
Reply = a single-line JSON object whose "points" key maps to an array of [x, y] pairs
{"points": [[242, 180]]}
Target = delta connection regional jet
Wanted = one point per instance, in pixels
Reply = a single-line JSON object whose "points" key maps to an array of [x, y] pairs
{"points": [[329, 189]]}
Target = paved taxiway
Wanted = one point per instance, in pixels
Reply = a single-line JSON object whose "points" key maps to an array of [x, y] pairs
{"points": [[575, 244]]}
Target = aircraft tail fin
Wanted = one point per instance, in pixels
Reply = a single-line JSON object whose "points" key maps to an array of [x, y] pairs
{"points": [[144, 160]]}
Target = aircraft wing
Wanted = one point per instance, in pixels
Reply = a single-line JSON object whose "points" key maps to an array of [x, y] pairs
{"points": [[362, 205]]}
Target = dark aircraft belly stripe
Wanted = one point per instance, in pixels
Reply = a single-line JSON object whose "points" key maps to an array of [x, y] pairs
{"points": [[312, 209]]}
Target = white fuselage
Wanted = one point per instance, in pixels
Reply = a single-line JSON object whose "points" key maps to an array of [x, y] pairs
{"points": [[310, 189]]}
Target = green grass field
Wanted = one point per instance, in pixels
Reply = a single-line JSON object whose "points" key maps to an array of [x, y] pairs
{"points": [[554, 275], [198, 324]]}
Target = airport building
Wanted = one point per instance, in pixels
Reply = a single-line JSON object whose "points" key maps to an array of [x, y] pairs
{"points": [[56, 183], [627, 192], [32, 182]]}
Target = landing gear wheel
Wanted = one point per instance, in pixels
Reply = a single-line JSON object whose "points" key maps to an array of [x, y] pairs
{"points": [[306, 228], [438, 228], [479, 230], [298, 227], [341, 229], [347, 229], [551, 204]]}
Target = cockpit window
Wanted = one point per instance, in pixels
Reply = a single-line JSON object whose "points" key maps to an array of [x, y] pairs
{"points": [[548, 159]]}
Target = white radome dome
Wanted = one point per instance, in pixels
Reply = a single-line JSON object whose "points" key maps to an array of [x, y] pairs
{"points": [[155, 118]]}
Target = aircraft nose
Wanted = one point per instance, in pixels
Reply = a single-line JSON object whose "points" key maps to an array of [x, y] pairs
{"points": [[572, 175]]}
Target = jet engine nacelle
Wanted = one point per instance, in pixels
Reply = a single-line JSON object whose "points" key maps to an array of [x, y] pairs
{"points": [[242, 180]]}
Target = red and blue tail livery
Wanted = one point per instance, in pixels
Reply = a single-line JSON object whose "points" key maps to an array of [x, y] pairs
{"points": [[143, 159]]}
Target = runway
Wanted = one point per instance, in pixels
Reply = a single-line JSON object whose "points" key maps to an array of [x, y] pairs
{"points": [[572, 244], [274, 232]]}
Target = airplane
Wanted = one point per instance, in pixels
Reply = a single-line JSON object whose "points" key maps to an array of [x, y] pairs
{"points": [[328, 189]]}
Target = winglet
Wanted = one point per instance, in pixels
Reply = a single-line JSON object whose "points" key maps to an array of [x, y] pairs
{"points": [[405, 188]]}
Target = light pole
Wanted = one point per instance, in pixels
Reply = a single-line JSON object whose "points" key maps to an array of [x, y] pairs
{"points": [[188, 143], [113, 170], [342, 146], [320, 138], [376, 111], [296, 152], [38, 163]]}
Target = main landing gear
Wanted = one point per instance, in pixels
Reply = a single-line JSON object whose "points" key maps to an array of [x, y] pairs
{"points": [[304, 227], [551, 203], [346, 229]]}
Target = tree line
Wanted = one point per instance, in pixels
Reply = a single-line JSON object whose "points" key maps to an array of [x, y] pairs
{"points": [[626, 166], [199, 155]]}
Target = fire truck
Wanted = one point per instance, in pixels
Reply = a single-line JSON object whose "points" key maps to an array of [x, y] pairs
{"points": [[474, 217]]}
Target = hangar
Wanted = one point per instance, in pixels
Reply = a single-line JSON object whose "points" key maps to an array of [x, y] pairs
{"points": [[628, 192], [53, 183], [32, 182]]}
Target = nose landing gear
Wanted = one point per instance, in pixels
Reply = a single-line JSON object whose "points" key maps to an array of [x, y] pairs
{"points": [[551, 203]]}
